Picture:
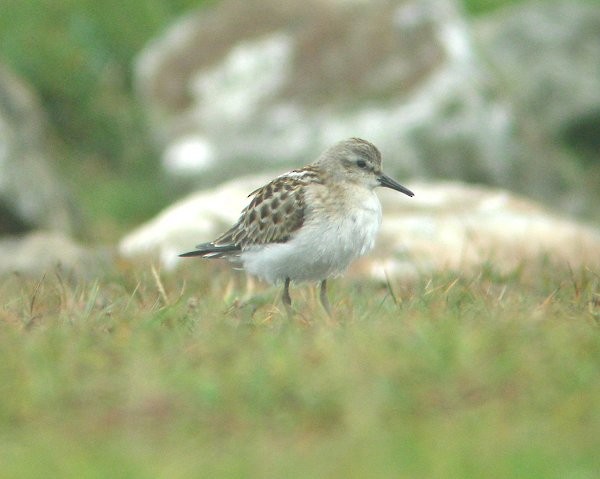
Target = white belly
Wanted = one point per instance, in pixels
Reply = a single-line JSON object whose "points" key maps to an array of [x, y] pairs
{"points": [[323, 247]]}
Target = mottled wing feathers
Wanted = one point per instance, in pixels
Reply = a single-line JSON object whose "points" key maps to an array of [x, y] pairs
{"points": [[275, 212]]}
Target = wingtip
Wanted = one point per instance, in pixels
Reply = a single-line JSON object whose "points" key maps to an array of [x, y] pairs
{"points": [[189, 254], [209, 250]]}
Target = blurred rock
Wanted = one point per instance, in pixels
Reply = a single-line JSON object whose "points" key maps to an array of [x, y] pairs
{"points": [[49, 252], [445, 226], [242, 86], [546, 59], [31, 196], [456, 226]]}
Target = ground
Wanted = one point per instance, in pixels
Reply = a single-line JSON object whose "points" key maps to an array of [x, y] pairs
{"points": [[146, 374]]}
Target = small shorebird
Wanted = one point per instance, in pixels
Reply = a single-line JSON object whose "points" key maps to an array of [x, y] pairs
{"points": [[309, 224]]}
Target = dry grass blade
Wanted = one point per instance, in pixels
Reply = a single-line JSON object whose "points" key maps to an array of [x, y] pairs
{"points": [[159, 286]]}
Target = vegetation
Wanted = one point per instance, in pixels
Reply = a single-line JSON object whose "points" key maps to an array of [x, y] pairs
{"points": [[78, 56], [148, 375]]}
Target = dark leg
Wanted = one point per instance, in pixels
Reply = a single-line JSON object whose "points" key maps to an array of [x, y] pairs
{"points": [[323, 297], [287, 300]]}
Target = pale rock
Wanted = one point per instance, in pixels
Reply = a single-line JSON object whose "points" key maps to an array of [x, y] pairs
{"points": [[446, 225], [50, 253], [546, 59], [274, 82], [243, 87], [31, 194]]}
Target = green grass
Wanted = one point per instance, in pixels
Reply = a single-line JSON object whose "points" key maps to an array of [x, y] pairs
{"points": [[478, 7], [478, 375], [78, 56]]}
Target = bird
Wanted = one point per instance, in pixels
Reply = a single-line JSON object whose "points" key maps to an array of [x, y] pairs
{"points": [[309, 224]]}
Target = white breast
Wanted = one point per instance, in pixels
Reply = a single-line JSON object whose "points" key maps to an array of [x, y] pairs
{"points": [[324, 246]]}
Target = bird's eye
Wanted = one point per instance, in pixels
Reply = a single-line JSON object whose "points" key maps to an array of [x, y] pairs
{"points": [[361, 164]]}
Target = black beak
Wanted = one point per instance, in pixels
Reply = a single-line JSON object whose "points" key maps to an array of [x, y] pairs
{"points": [[385, 180]]}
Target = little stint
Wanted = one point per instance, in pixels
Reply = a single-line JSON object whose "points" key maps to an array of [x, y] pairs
{"points": [[311, 223]]}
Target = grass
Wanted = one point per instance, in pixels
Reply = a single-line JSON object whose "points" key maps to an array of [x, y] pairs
{"points": [[142, 375], [78, 56]]}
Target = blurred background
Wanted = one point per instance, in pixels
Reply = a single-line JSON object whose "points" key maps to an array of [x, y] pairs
{"points": [[110, 111]]}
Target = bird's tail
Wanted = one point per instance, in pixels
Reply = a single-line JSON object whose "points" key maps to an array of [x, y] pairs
{"points": [[211, 250]]}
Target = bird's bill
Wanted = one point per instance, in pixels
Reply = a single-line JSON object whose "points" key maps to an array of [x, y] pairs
{"points": [[385, 180]]}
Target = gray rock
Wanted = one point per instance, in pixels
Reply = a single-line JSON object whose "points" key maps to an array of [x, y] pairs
{"points": [[47, 252], [447, 225], [546, 60], [31, 196], [242, 86]]}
